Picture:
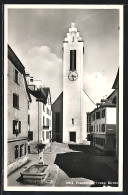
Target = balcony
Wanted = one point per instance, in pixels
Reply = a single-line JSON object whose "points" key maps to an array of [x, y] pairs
{"points": [[45, 127]]}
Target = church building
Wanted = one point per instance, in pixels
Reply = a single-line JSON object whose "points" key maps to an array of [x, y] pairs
{"points": [[70, 108]]}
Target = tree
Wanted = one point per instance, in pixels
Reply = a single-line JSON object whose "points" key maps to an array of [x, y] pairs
{"points": [[89, 137], [40, 147]]}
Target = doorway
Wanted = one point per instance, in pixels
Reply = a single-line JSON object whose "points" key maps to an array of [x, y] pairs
{"points": [[73, 136]]}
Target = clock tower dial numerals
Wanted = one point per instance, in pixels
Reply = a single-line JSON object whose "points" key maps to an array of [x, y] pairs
{"points": [[73, 76]]}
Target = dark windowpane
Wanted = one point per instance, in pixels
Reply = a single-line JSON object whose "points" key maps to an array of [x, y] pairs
{"points": [[25, 149], [15, 100], [103, 113], [29, 119], [72, 121], [30, 135], [114, 100], [103, 127], [16, 76], [98, 115], [16, 151], [21, 150], [14, 126]]}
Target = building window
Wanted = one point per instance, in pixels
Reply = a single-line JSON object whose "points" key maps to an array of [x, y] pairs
{"points": [[94, 117], [91, 128], [30, 135], [29, 119], [47, 134], [114, 100], [72, 60], [98, 115], [47, 111], [72, 121], [25, 149], [16, 151], [43, 135], [43, 120], [31, 79], [100, 141], [97, 128], [16, 127], [103, 113], [16, 76], [21, 150], [15, 100], [94, 128], [103, 127]]}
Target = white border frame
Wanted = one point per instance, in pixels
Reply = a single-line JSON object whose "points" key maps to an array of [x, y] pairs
{"points": [[37, 188]]}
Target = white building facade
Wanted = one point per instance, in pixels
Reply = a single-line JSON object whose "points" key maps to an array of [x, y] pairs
{"points": [[74, 106]]}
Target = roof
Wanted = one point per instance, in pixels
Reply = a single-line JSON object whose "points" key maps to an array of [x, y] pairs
{"points": [[116, 82], [39, 94], [58, 97], [17, 63], [111, 94], [15, 60], [47, 90], [103, 106]]}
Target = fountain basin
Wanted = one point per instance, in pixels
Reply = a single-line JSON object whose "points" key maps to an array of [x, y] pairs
{"points": [[35, 174]]}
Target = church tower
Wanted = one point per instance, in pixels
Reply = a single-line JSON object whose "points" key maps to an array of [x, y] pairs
{"points": [[73, 52]]}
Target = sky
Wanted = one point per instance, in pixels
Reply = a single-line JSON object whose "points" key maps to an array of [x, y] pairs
{"points": [[36, 36]]}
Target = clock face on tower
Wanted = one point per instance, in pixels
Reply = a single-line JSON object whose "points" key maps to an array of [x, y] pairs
{"points": [[73, 75]]}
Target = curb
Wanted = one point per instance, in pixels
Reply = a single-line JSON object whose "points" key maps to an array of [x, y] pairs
{"points": [[45, 152], [94, 153], [52, 181]]}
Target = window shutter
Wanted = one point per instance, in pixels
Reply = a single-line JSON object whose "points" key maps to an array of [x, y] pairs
{"points": [[13, 127], [13, 100], [17, 101], [19, 126]]}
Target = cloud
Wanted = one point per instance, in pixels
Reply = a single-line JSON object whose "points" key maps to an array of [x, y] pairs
{"points": [[97, 86], [44, 65]]}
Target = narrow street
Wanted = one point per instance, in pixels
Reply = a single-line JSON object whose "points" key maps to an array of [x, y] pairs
{"points": [[77, 166]]}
